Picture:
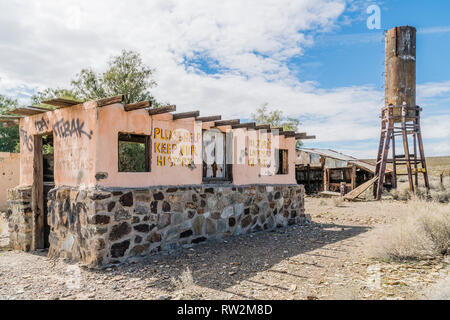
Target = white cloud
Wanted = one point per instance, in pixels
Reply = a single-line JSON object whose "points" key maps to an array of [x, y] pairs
{"points": [[45, 43]]}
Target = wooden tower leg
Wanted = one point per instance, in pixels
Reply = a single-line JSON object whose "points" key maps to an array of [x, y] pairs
{"points": [[421, 150], [406, 149], [384, 158], [394, 163]]}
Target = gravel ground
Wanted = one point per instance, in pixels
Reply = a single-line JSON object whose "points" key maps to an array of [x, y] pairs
{"points": [[327, 260]]}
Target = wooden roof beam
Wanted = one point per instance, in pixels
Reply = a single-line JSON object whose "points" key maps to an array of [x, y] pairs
{"points": [[137, 105], [307, 138], [288, 134], [184, 115], [226, 122], [111, 100], [209, 118], [243, 125], [262, 126], [61, 103], [28, 111], [160, 110], [276, 130]]}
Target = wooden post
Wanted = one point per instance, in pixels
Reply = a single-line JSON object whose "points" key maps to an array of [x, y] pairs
{"points": [[326, 179], [353, 182], [342, 189], [37, 196]]}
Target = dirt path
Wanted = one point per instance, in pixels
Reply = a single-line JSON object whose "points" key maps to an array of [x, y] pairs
{"points": [[327, 260]]}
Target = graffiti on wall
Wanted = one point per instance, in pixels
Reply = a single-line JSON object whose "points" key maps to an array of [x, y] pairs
{"points": [[260, 152], [41, 125], [27, 140], [174, 147], [69, 128]]}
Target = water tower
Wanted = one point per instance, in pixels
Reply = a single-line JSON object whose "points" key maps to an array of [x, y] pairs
{"points": [[400, 116]]}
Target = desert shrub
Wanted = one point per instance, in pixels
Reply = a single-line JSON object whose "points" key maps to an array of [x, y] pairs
{"points": [[438, 192], [423, 232]]}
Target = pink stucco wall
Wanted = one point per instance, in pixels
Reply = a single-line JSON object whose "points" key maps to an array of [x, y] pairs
{"points": [[81, 153], [74, 144]]}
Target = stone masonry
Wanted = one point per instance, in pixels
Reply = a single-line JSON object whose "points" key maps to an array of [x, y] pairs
{"points": [[101, 226], [20, 218]]}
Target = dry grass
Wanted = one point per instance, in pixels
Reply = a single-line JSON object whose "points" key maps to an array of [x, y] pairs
{"points": [[423, 232], [438, 192]]}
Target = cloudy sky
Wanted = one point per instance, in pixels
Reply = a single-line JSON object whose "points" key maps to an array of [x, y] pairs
{"points": [[315, 59]]}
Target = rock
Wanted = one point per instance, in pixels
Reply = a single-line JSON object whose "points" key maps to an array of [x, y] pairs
{"points": [[197, 225], [100, 219], [118, 249], [246, 222], [186, 234], [111, 206], [122, 214], [142, 228], [158, 196], [126, 200], [120, 230], [164, 220], [210, 226], [166, 206], [141, 209], [227, 212]]}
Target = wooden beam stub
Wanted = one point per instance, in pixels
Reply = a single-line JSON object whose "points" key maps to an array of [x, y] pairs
{"points": [[288, 134], [208, 118], [111, 100], [226, 122], [137, 105], [61, 103], [160, 110], [184, 115], [243, 125], [28, 111], [262, 126]]}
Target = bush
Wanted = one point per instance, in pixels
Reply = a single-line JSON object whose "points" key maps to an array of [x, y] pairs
{"points": [[438, 192], [424, 232]]}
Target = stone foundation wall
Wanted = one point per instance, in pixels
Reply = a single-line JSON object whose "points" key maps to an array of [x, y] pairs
{"points": [[99, 226], [20, 218]]}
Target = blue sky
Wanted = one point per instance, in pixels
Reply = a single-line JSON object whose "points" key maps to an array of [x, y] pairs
{"points": [[314, 59]]}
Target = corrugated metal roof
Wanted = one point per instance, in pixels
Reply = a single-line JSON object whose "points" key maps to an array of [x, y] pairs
{"points": [[340, 156]]}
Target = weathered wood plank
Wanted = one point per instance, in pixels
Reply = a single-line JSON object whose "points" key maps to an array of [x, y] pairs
{"points": [[227, 122], [360, 189], [262, 126], [184, 115], [243, 125], [300, 135], [288, 134], [160, 110], [308, 138], [28, 111], [111, 100], [208, 118], [137, 105], [61, 103]]}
